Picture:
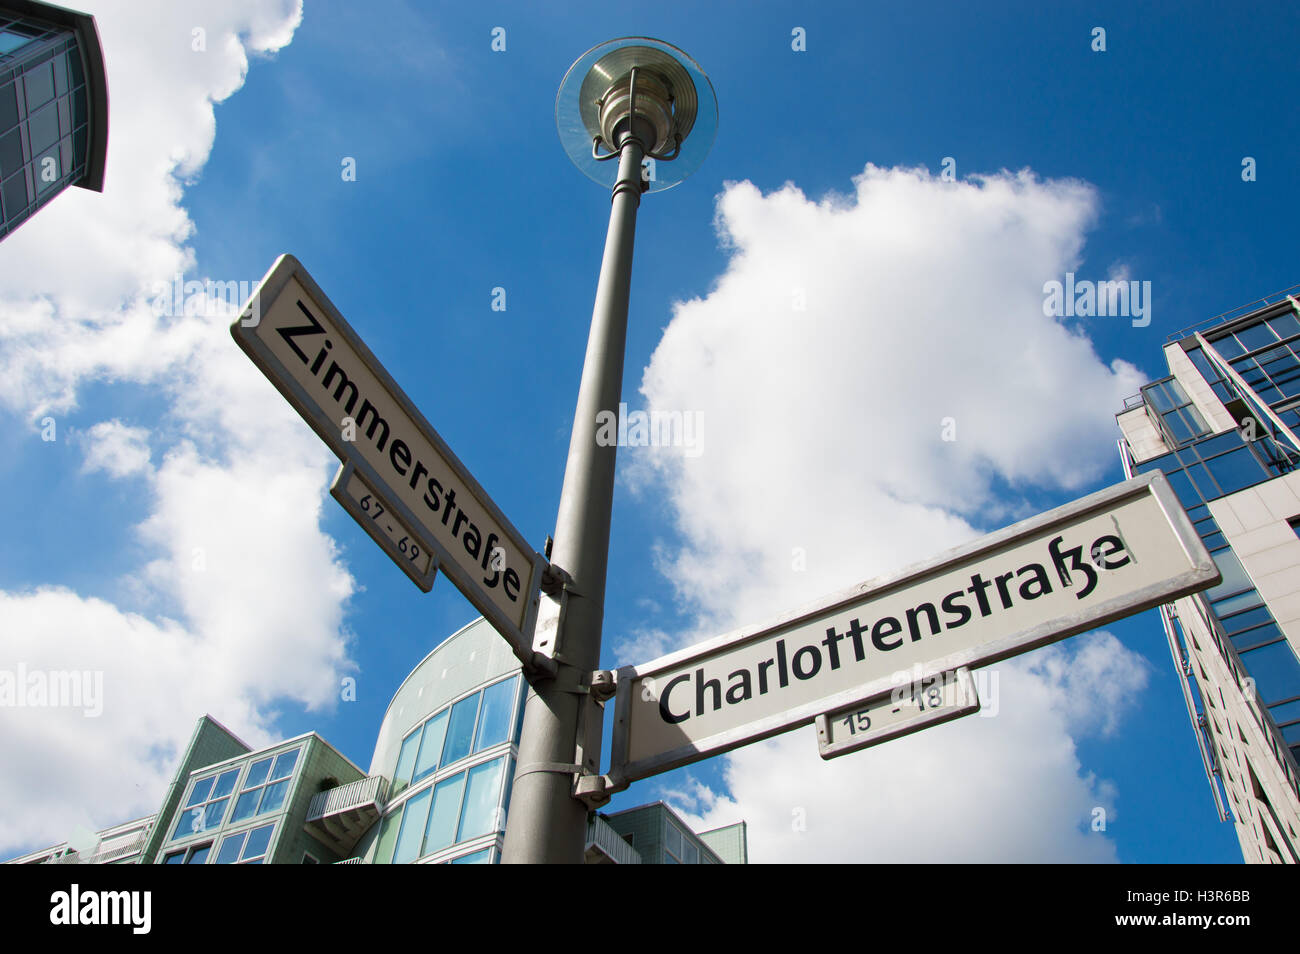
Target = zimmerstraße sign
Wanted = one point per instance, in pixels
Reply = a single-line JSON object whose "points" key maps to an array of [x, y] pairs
{"points": [[1111, 554], [399, 480]]}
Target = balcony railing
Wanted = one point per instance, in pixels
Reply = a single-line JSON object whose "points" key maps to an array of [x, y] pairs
{"points": [[373, 789], [605, 845], [340, 816]]}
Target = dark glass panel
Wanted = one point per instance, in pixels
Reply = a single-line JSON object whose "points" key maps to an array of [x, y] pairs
{"points": [[8, 107], [1285, 325], [38, 83], [43, 129], [1275, 670], [1237, 471], [11, 154]]}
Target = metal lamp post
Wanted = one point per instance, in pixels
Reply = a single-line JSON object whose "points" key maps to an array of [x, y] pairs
{"points": [[621, 103]]}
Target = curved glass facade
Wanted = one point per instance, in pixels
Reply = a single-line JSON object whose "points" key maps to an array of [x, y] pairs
{"points": [[448, 743]]}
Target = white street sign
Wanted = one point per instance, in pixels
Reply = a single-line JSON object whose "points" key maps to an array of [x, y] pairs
{"points": [[913, 706], [301, 342], [1110, 554]]}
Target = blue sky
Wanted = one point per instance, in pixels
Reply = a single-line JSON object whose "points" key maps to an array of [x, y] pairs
{"points": [[178, 532]]}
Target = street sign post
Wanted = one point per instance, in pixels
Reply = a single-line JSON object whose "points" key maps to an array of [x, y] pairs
{"points": [[435, 516], [1111, 554]]}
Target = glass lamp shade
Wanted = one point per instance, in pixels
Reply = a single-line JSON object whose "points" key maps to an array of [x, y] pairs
{"points": [[577, 106]]}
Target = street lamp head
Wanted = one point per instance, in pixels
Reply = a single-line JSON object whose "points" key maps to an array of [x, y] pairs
{"points": [[640, 88]]}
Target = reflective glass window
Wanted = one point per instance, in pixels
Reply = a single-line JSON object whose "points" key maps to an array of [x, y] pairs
{"points": [[1234, 603], [494, 720], [1285, 325], [43, 129], [257, 773], [10, 41], [482, 857], [199, 856], [1258, 636], [258, 840], [284, 764], [1242, 621], [1256, 336], [482, 795], [690, 852], [435, 730], [1228, 347], [406, 761], [1237, 471], [39, 86], [1234, 576], [1275, 670], [228, 853], [388, 837], [673, 841], [1285, 712], [246, 805], [412, 831], [446, 813], [205, 809], [460, 730], [273, 797], [200, 792]]}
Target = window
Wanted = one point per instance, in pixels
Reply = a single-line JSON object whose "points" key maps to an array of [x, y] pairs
{"points": [[1275, 670], [406, 762], [266, 785], [10, 41], [460, 732], [482, 796], [246, 847], [435, 730], [205, 809], [388, 836], [412, 831], [494, 720], [1182, 422], [444, 818], [673, 841], [193, 855], [477, 722], [1295, 525], [482, 857], [457, 808]]}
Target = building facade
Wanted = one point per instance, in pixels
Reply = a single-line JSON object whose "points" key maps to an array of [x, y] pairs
{"points": [[53, 107], [437, 789], [1222, 427]]}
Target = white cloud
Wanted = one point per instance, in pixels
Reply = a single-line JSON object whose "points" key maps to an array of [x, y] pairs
{"points": [[116, 449], [226, 621], [881, 325]]}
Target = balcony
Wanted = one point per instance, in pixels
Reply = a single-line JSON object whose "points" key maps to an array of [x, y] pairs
{"points": [[605, 846], [341, 815]]}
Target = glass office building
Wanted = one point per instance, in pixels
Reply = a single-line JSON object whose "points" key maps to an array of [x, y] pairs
{"points": [[437, 789], [53, 107], [1222, 427]]}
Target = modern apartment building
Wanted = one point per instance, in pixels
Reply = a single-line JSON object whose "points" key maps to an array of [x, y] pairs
{"points": [[53, 107], [437, 789], [1222, 427]]}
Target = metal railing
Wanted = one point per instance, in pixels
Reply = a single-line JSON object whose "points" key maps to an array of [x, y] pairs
{"points": [[370, 790], [1238, 312], [602, 835]]}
